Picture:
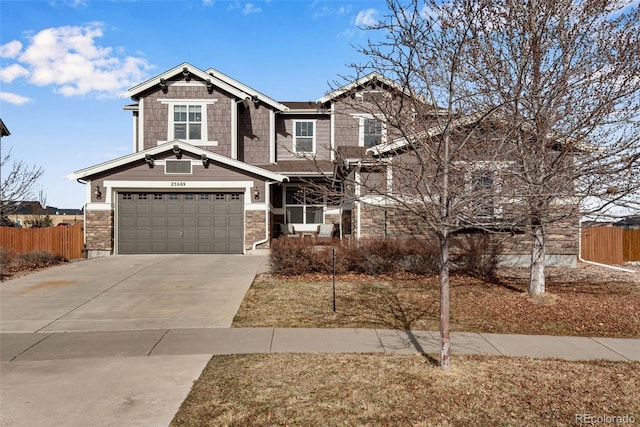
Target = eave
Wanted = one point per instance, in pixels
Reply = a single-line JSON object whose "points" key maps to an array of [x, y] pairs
{"points": [[214, 157], [218, 79]]}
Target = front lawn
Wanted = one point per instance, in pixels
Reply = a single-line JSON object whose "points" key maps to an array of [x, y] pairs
{"points": [[408, 390], [587, 301]]}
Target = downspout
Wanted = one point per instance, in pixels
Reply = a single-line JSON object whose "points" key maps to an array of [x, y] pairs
{"points": [[613, 267], [267, 197], [84, 215]]}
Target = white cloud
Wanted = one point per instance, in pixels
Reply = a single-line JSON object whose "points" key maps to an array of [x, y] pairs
{"points": [[11, 49], [250, 8], [12, 72], [13, 98], [366, 17], [69, 59], [207, 2]]}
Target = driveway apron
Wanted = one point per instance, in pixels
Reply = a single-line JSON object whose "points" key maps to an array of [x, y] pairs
{"points": [[128, 293], [95, 323]]}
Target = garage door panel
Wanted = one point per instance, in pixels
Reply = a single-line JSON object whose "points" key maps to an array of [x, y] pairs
{"points": [[236, 221], [180, 223], [205, 221], [174, 221]]}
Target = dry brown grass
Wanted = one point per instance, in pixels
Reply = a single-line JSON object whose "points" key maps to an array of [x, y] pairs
{"points": [[395, 390], [588, 301]]}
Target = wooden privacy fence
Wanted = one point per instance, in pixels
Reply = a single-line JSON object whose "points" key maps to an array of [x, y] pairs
{"points": [[67, 242], [610, 245]]}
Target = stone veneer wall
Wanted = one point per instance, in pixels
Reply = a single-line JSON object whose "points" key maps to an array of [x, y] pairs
{"points": [[562, 237], [99, 233], [254, 227]]}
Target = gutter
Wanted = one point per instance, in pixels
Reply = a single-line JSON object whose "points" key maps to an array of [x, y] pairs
{"points": [[267, 197], [613, 267]]}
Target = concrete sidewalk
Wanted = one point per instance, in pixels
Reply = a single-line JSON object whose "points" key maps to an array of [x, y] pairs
{"points": [[16, 347], [140, 378]]}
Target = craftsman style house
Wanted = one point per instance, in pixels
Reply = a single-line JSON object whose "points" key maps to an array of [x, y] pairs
{"points": [[217, 167]]}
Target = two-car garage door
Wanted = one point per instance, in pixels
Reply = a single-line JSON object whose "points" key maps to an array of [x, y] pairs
{"points": [[173, 223]]}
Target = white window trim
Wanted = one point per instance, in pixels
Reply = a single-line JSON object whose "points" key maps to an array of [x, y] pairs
{"points": [[361, 118], [204, 140], [313, 138], [304, 207]]}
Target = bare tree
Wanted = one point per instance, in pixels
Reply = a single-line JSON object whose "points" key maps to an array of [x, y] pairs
{"points": [[18, 183], [437, 168], [565, 78], [532, 105]]}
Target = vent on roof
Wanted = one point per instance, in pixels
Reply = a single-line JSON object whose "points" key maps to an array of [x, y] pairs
{"points": [[178, 166]]}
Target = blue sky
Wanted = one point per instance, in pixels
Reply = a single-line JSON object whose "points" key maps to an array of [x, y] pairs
{"points": [[63, 65]]}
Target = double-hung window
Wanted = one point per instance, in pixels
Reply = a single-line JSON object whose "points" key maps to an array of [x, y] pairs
{"points": [[304, 137], [484, 189], [303, 206], [187, 122], [372, 131]]}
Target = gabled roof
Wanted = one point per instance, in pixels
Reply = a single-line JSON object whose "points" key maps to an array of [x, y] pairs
{"points": [[218, 79], [3, 129], [140, 155], [374, 78]]}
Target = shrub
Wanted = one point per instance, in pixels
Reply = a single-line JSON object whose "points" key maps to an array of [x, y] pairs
{"points": [[477, 255], [421, 257], [37, 259], [372, 256], [6, 257], [291, 257]]}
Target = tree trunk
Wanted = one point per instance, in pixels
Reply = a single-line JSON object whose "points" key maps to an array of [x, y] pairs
{"points": [[445, 350], [536, 281]]}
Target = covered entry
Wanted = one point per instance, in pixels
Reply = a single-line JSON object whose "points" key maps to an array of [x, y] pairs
{"points": [[177, 223]]}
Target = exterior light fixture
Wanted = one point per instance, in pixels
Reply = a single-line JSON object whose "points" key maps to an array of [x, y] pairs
{"points": [[98, 193], [163, 85], [205, 160], [185, 73], [256, 101], [150, 162], [177, 151], [209, 86], [256, 193]]}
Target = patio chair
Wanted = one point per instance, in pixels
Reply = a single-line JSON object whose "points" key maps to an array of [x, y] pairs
{"points": [[325, 233], [288, 230]]}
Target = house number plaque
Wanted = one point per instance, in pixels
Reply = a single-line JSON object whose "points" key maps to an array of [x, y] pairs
{"points": [[178, 184]]}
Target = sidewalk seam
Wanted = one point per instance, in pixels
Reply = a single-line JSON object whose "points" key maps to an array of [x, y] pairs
{"points": [[273, 333], [384, 349], [158, 342], [492, 344], [30, 347], [609, 348]]}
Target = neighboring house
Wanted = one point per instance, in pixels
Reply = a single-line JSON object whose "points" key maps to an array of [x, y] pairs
{"points": [[217, 166], [30, 213]]}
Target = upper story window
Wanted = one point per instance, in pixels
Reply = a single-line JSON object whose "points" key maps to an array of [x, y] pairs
{"points": [[484, 187], [372, 132], [187, 122], [304, 136]]}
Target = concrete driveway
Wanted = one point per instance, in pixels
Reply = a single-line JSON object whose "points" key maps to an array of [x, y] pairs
{"points": [[96, 323], [128, 293]]}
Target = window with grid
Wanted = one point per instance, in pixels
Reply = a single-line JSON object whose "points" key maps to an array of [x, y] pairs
{"points": [[372, 132], [484, 187], [303, 206], [304, 137], [187, 122]]}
